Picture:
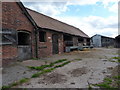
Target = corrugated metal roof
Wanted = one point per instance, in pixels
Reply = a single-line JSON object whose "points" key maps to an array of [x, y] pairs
{"points": [[44, 21]]}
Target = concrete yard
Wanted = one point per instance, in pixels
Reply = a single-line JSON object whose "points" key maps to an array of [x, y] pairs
{"points": [[88, 66]]}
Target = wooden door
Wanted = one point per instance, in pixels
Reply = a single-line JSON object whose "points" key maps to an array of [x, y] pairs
{"points": [[55, 43]]}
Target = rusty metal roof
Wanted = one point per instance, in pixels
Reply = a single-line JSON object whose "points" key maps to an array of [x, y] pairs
{"points": [[47, 22]]}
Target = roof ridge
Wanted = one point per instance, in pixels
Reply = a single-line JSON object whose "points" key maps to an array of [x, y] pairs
{"points": [[67, 26], [53, 18]]}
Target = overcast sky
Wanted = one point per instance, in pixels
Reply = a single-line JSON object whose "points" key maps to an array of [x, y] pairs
{"points": [[91, 16]]}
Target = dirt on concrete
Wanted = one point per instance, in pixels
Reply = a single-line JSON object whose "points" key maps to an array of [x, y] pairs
{"points": [[86, 66], [78, 72], [52, 78]]}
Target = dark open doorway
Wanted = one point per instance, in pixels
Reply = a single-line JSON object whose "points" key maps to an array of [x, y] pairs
{"points": [[24, 45], [55, 48], [23, 38]]}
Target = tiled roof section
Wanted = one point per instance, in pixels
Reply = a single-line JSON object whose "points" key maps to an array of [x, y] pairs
{"points": [[44, 21]]}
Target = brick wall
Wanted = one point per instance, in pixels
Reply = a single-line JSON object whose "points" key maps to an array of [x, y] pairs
{"points": [[45, 48], [14, 18]]}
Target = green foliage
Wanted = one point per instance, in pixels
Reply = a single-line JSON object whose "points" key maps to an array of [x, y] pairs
{"points": [[23, 80], [35, 58], [45, 66], [108, 80], [78, 59], [62, 64], [116, 77], [116, 58], [39, 67], [43, 72], [104, 85], [5, 87], [59, 61], [16, 83]]}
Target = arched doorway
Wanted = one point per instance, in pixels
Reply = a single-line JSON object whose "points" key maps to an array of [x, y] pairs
{"points": [[24, 45]]}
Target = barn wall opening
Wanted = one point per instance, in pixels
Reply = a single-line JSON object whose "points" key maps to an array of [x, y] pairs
{"points": [[80, 39], [42, 36], [23, 38], [68, 40]]}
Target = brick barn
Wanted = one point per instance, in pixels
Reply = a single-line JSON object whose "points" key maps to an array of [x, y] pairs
{"points": [[28, 34]]}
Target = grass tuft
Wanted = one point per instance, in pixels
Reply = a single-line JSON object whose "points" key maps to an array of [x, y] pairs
{"points": [[23, 80], [42, 72], [57, 66], [15, 83], [35, 58], [78, 59], [45, 66], [116, 77]]}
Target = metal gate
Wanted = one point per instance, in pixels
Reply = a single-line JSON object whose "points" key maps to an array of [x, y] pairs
{"points": [[55, 48]]}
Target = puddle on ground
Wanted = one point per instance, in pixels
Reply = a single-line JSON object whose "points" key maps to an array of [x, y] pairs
{"points": [[53, 78], [78, 72]]}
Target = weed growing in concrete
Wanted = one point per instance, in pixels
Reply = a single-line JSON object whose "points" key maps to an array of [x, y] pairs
{"points": [[107, 84], [23, 80], [78, 59], [62, 64], [45, 66], [43, 72], [39, 67], [116, 58], [116, 77], [15, 83], [35, 58], [59, 61]]}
